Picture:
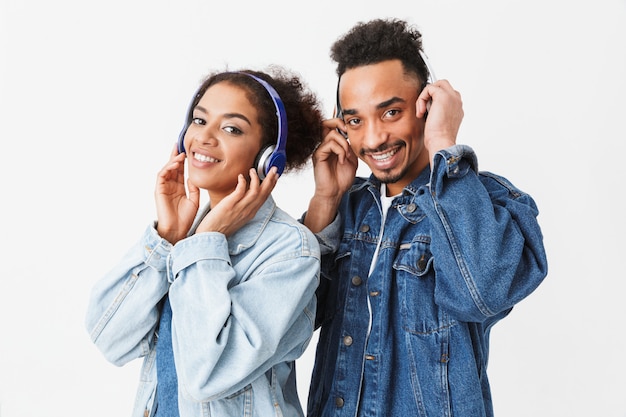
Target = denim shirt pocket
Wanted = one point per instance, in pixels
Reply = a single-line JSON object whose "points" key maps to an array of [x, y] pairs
{"points": [[415, 277]]}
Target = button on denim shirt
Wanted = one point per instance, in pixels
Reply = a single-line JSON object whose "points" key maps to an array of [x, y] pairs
{"points": [[458, 250], [243, 311]]}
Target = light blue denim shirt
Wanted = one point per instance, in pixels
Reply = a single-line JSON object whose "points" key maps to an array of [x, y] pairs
{"points": [[243, 312], [459, 248]]}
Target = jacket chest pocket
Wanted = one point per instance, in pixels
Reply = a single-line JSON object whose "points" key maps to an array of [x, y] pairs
{"points": [[415, 279]]}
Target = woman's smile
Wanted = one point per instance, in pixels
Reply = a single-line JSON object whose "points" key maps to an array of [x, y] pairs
{"points": [[204, 158]]}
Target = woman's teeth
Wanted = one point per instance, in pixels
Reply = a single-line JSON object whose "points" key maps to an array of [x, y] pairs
{"points": [[204, 158]]}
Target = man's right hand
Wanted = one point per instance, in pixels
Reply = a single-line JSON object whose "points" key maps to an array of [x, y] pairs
{"points": [[334, 169]]}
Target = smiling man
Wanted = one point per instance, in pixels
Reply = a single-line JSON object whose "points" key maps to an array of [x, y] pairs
{"points": [[422, 258]]}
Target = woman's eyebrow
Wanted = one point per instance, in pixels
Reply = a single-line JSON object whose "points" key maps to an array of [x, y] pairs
{"points": [[226, 115], [237, 116]]}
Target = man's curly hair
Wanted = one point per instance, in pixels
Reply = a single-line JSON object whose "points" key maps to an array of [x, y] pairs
{"points": [[380, 40], [304, 115]]}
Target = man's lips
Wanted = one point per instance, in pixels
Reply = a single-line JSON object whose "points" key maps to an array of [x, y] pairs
{"points": [[382, 156]]}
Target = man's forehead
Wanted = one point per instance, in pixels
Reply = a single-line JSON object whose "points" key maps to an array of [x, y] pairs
{"points": [[372, 85]]}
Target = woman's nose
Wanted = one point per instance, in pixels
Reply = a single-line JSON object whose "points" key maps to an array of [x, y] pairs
{"points": [[205, 137]]}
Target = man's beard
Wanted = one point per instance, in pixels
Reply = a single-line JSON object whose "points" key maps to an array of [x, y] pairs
{"points": [[388, 177]]}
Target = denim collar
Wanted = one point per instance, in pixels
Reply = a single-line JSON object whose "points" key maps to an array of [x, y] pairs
{"points": [[406, 203], [247, 236], [373, 184]]}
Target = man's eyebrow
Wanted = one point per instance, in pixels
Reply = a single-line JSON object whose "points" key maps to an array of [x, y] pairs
{"points": [[379, 106], [389, 102], [226, 115]]}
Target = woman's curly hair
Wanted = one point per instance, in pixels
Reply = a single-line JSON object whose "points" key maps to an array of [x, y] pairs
{"points": [[380, 40], [304, 115]]}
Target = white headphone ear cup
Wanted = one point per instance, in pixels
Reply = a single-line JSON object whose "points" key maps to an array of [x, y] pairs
{"points": [[262, 159]]}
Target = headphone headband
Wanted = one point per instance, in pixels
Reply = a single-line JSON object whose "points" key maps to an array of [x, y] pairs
{"points": [[278, 156], [431, 74]]}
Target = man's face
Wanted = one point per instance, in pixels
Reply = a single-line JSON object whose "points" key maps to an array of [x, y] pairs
{"points": [[379, 106]]}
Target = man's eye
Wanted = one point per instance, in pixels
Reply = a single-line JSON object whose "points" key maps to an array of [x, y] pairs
{"points": [[392, 112], [353, 122]]}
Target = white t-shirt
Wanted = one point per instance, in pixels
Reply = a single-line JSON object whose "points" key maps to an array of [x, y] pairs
{"points": [[385, 203]]}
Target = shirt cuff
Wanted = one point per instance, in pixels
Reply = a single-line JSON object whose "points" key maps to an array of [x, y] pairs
{"points": [[455, 161]]}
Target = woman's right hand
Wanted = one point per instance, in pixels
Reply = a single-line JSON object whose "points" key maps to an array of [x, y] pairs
{"points": [[176, 209]]}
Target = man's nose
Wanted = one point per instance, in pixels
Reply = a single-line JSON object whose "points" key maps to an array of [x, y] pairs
{"points": [[374, 135]]}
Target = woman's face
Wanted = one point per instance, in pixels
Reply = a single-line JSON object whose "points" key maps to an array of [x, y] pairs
{"points": [[223, 139]]}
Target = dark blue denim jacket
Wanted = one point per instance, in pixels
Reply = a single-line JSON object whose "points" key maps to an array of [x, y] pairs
{"points": [[459, 249]]}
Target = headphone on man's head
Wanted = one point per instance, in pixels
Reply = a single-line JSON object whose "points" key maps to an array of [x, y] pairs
{"points": [[431, 74], [269, 156]]}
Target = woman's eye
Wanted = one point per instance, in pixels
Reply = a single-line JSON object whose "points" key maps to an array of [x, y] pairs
{"points": [[198, 121], [233, 130]]}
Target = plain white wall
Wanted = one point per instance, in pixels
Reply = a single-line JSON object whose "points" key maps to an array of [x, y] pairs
{"points": [[92, 96]]}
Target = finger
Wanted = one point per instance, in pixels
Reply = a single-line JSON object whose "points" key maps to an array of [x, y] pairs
{"points": [[241, 187], [179, 157], [335, 138], [169, 171], [352, 158], [175, 161], [424, 100], [333, 146], [331, 124], [254, 179], [269, 182], [194, 193], [445, 84]]}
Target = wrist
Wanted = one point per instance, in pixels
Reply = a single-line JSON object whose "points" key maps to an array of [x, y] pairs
{"points": [[168, 234], [321, 212]]}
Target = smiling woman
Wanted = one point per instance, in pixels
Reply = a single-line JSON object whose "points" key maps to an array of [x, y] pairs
{"points": [[197, 295]]}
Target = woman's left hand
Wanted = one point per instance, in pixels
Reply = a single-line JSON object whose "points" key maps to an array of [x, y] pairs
{"points": [[240, 206]]}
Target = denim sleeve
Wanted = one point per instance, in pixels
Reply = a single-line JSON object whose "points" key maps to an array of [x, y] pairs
{"points": [[229, 329], [486, 241], [328, 239], [123, 311]]}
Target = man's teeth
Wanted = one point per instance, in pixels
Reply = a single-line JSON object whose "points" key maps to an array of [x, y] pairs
{"points": [[383, 156], [204, 158]]}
